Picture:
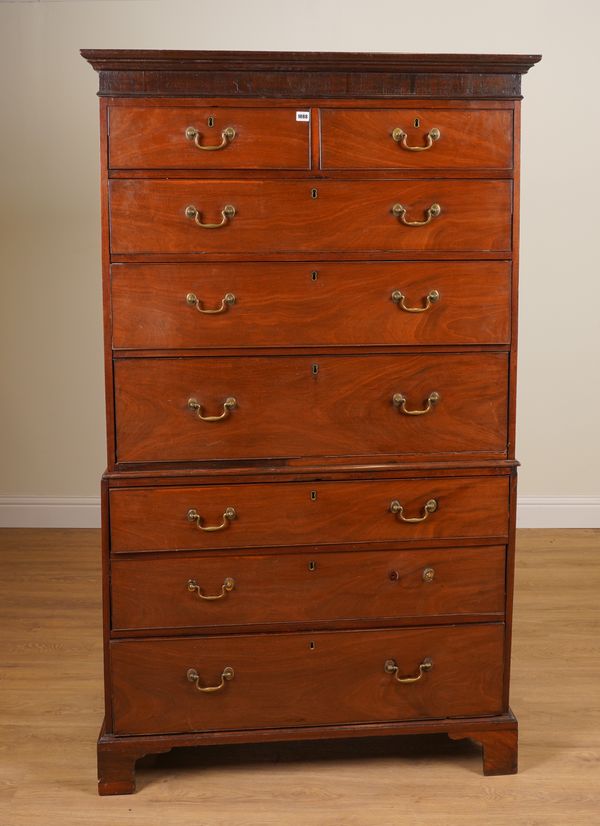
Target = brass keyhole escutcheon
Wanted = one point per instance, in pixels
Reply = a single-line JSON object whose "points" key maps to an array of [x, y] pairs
{"points": [[312, 566], [394, 576], [314, 193], [313, 496], [315, 369], [416, 123], [210, 120]]}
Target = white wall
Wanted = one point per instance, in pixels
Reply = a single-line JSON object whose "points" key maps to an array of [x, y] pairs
{"points": [[50, 327]]}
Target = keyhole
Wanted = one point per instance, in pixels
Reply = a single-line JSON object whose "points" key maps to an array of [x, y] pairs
{"points": [[417, 122], [313, 495], [315, 369], [312, 566], [312, 645], [211, 120], [314, 275], [313, 193]]}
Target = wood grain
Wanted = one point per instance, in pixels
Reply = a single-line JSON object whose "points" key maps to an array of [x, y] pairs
{"points": [[303, 588], [362, 139], [155, 518], [287, 304], [285, 409], [321, 678], [51, 619], [154, 137], [148, 216]]}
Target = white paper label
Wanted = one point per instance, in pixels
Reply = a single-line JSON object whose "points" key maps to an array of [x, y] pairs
{"points": [[303, 116]]}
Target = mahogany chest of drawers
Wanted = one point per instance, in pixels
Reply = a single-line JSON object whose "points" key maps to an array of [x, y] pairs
{"points": [[310, 291]]}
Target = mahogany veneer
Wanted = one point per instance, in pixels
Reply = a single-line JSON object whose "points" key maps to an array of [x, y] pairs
{"points": [[289, 304], [148, 216], [330, 554]]}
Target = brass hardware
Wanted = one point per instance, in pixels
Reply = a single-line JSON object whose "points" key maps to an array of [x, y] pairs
{"points": [[428, 574], [416, 123], [315, 369], [210, 120], [314, 275], [227, 212], [400, 136], [312, 645], [230, 403], [431, 297], [228, 585], [227, 135], [229, 515], [313, 495], [228, 300], [193, 677], [391, 667], [398, 400], [394, 576], [312, 566], [429, 507], [400, 212], [314, 193]]}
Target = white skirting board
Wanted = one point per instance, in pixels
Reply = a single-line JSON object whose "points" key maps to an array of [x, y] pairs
{"points": [[84, 512], [49, 512]]}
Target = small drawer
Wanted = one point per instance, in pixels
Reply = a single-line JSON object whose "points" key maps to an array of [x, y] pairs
{"points": [[300, 513], [306, 679], [265, 589], [264, 217], [416, 139], [265, 304], [252, 407], [180, 137]]}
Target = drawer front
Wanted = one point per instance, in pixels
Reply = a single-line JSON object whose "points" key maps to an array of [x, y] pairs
{"points": [[178, 137], [299, 513], [306, 679], [259, 589], [296, 406], [284, 304], [389, 139], [149, 216]]}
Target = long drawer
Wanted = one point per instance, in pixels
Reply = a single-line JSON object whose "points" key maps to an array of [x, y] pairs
{"points": [[416, 138], [253, 407], [306, 679], [184, 137], [287, 304], [262, 589], [299, 513], [154, 216]]}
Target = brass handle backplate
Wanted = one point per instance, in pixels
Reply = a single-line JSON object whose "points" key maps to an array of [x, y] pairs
{"points": [[228, 585], [400, 136], [398, 400], [228, 300], [228, 516], [428, 574], [193, 677], [229, 404], [391, 667], [398, 298], [227, 135], [194, 214], [429, 507], [431, 212]]}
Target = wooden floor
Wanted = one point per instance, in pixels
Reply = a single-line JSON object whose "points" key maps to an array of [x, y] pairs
{"points": [[51, 708]]}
